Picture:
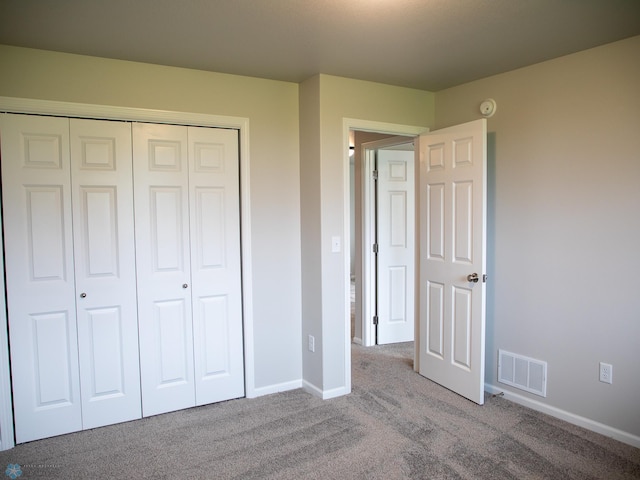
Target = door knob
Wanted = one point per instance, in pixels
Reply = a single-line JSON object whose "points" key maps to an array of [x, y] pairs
{"points": [[472, 278], [83, 295], [184, 285]]}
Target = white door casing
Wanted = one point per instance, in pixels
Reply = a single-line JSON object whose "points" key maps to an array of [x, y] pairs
{"points": [[396, 245], [103, 227], [452, 246], [161, 177], [215, 264], [40, 276]]}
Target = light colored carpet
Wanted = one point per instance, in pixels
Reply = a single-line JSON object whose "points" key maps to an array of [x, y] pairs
{"points": [[394, 425]]}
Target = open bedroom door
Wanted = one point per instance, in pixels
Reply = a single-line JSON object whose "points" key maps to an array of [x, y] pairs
{"points": [[452, 217]]}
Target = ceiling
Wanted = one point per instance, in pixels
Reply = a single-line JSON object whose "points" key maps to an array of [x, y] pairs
{"points": [[425, 44]]}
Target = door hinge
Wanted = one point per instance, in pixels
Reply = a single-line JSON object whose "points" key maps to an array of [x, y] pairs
{"points": [[375, 174], [375, 248], [375, 319], [484, 278]]}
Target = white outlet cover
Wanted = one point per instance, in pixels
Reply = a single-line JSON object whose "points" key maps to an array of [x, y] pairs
{"points": [[336, 245], [606, 372]]}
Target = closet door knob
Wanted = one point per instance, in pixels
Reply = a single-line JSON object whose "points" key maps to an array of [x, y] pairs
{"points": [[83, 295], [184, 285]]}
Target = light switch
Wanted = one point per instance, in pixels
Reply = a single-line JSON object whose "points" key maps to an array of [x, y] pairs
{"points": [[336, 245]]}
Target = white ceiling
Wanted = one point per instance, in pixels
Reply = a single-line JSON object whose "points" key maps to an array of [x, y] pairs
{"points": [[426, 44]]}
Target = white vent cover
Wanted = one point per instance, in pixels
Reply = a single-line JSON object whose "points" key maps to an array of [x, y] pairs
{"points": [[522, 372]]}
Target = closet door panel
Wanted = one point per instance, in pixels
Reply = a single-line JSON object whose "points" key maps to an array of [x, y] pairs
{"points": [[163, 267], [40, 286], [172, 328], [101, 158], [215, 264]]}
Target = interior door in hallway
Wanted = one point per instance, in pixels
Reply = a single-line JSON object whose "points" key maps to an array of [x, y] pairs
{"points": [[396, 245], [452, 219]]}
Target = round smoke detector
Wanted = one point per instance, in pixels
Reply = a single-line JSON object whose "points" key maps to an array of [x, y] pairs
{"points": [[488, 107]]}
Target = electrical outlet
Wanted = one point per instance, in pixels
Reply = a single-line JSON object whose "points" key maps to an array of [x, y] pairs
{"points": [[312, 343], [606, 372]]}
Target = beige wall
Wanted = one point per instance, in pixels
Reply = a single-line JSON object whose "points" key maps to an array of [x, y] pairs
{"points": [[337, 98], [310, 204], [272, 110], [564, 224]]}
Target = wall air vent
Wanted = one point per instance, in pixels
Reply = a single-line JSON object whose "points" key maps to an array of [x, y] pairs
{"points": [[522, 372]]}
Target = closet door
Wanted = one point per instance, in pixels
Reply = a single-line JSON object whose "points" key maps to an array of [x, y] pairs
{"points": [[36, 193], [215, 264], [105, 271], [161, 179]]}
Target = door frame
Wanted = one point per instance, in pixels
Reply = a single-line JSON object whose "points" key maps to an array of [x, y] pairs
{"points": [[369, 226], [106, 112]]}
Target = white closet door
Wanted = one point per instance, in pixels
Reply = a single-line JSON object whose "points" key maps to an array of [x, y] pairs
{"points": [[36, 195], [105, 271], [163, 267], [215, 264]]}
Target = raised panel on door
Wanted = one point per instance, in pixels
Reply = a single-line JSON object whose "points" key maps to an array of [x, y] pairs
{"points": [[215, 264], [452, 246], [36, 202], [103, 225], [396, 246], [161, 185]]}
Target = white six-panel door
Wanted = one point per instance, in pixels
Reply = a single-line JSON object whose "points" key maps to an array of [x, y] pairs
{"points": [[161, 173], [40, 285], [101, 173], [216, 291], [453, 247], [396, 246]]}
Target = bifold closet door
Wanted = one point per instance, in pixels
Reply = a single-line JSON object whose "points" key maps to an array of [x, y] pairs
{"points": [[214, 189], [36, 194], [70, 269], [161, 174], [189, 284], [106, 326], [101, 173]]}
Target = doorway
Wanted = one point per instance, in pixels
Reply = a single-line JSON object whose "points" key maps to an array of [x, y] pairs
{"points": [[464, 146], [387, 243], [366, 146]]}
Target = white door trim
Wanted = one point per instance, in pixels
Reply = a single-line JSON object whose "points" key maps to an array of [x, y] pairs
{"points": [[68, 109], [365, 126]]}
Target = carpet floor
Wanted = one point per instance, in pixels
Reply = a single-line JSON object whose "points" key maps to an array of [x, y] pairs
{"points": [[394, 425]]}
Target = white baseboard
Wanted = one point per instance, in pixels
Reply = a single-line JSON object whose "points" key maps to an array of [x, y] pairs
{"points": [[572, 418], [323, 394], [278, 387]]}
